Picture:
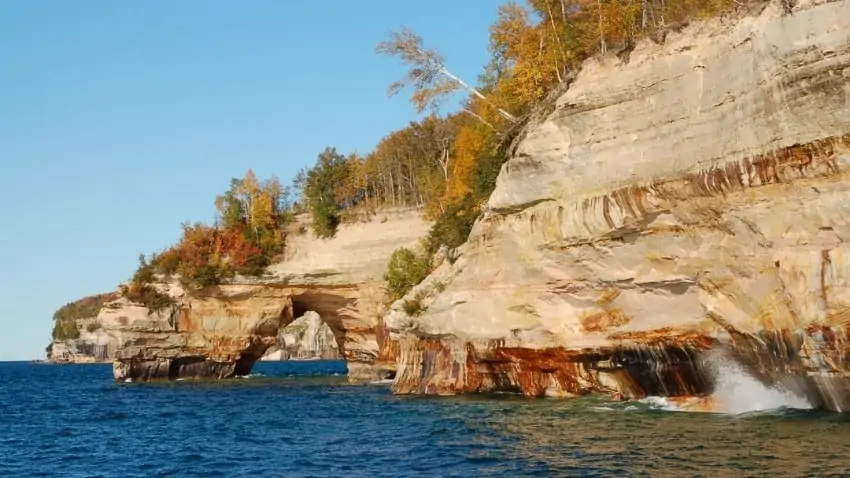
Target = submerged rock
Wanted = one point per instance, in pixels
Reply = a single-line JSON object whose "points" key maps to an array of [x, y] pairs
{"points": [[694, 199]]}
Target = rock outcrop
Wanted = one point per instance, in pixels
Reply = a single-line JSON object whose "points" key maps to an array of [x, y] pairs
{"points": [[693, 199], [306, 338], [90, 347], [78, 334], [219, 332]]}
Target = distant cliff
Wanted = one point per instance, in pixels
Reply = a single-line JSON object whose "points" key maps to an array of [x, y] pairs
{"points": [[78, 335], [694, 198]]}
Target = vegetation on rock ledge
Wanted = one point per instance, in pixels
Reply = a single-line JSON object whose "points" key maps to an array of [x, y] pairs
{"points": [[248, 235], [66, 318], [406, 269]]}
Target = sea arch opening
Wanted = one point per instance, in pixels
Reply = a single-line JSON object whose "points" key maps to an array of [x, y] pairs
{"points": [[361, 340]]}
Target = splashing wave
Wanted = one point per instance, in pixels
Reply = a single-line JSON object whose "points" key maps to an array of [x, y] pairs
{"points": [[736, 392]]}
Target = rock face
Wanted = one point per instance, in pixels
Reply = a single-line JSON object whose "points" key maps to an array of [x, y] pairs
{"points": [[219, 332], [94, 346], [79, 336], [306, 338], [694, 199]]}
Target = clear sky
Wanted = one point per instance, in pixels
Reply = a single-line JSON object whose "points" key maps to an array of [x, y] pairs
{"points": [[120, 120]]}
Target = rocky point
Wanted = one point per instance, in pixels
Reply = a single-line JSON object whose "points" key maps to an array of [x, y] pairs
{"points": [[221, 331]]}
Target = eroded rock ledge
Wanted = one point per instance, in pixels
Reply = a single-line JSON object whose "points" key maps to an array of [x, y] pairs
{"points": [[690, 203], [220, 332]]}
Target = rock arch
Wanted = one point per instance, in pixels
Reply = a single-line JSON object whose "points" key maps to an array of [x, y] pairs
{"points": [[222, 332]]}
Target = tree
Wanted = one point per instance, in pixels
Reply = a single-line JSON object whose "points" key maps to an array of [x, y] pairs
{"points": [[230, 207], [352, 190], [431, 80], [468, 146], [319, 191]]}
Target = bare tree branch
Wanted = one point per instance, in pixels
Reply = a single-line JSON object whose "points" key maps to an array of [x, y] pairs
{"points": [[431, 80]]}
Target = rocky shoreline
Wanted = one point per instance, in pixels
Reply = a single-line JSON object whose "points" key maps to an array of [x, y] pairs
{"points": [[690, 200]]}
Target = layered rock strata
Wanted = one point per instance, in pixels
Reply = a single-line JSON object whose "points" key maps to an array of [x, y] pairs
{"points": [[221, 331], [94, 345], [693, 199], [79, 336]]}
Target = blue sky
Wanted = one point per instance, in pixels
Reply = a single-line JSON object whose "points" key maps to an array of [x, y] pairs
{"points": [[120, 120]]}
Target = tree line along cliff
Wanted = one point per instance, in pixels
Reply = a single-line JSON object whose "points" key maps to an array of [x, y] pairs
{"points": [[445, 163]]}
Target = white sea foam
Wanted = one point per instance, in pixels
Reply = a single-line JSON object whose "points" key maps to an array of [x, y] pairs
{"points": [[736, 392], [251, 375], [660, 403]]}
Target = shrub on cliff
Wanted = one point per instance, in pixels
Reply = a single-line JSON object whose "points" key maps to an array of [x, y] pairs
{"points": [[453, 226], [325, 219], [145, 273], [405, 270], [66, 318], [486, 171], [65, 329], [147, 295]]}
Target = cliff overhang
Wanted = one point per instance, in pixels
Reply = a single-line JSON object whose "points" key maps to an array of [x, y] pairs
{"points": [[689, 203]]}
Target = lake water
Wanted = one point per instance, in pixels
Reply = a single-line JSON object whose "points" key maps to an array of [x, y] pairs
{"points": [[294, 419]]}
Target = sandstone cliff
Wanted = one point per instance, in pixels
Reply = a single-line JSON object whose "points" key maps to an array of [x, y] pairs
{"points": [[221, 331], [306, 338], [695, 198], [78, 334], [89, 347]]}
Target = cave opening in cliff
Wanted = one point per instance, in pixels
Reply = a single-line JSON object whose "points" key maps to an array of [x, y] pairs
{"points": [[328, 306]]}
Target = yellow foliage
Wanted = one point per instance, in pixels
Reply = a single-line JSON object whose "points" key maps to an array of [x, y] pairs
{"points": [[468, 146], [263, 211]]}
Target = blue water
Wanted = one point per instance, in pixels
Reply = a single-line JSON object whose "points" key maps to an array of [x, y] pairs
{"points": [[295, 419]]}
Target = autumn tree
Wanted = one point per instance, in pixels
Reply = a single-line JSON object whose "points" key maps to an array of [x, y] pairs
{"points": [[248, 234], [467, 147]]}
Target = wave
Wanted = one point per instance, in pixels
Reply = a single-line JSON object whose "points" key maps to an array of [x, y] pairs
{"points": [[736, 392]]}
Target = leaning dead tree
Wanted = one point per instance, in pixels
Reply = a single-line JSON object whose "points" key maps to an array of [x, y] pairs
{"points": [[432, 82]]}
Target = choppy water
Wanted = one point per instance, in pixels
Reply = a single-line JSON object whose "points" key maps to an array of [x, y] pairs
{"points": [[303, 419]]}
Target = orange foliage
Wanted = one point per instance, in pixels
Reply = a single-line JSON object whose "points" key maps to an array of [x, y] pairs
{"points": [[235, 249]]}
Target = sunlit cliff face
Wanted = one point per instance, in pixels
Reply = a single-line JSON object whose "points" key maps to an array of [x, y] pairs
{"points": [[219, 332], [222, 333], [695, 199]]}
